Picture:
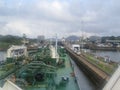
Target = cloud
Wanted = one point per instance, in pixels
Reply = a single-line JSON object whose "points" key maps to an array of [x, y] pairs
{"points": [[16, 28], [65, 17]]}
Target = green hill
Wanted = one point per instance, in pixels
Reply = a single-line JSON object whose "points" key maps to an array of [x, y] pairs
{"points": [[6, 41]]}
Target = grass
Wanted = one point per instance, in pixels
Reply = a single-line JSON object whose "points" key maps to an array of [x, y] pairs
{"points": [[106, 67]]}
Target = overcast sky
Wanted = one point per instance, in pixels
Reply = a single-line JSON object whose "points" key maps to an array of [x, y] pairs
{"points": [[61, 17]]}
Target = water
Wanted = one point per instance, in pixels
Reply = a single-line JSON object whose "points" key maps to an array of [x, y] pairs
{"points": [[83, 81], [114, 55], [2, 55]]}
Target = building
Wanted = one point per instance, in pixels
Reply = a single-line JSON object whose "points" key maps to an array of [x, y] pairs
{"points": [[113, 42], [41, 39]]}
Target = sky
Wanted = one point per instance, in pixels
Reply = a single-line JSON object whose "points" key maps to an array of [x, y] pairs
{"points": [[61, 17]]}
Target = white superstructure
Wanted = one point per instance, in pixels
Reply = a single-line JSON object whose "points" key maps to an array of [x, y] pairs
{"points": [[16, 51], [54, 54], [53, 51]]}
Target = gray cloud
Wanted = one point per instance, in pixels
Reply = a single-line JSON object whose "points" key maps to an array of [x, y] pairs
{"points": [[48, 17]]}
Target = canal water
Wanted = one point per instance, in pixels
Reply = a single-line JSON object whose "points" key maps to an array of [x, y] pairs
{"points": [[2, 55], [113, 55], [82, 80]]}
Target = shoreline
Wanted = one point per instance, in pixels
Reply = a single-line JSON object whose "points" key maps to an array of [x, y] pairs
{"points": [[3, 49]]}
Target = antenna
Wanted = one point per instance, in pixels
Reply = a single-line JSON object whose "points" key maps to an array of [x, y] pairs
{"points": [[24, 39], [82, 35]]}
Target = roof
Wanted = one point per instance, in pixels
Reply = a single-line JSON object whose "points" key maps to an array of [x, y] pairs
{"points": [[75, 45]]}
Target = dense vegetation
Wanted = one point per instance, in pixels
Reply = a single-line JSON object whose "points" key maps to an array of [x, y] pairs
{"points": [[103, 39], [94, 38], [6, 41]]}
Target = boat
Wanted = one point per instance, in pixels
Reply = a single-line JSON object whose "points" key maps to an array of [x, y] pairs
{"points": [[47, 68]]}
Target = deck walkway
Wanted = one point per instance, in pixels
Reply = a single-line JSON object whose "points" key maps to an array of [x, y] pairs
{"points": [[67, 72]]}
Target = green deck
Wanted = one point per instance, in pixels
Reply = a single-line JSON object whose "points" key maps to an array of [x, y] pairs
{"points": [[66, 71], [62, 71], [71, 85], [56, 76]]}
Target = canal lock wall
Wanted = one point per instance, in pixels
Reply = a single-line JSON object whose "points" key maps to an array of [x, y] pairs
{"points": [[89, 70]]}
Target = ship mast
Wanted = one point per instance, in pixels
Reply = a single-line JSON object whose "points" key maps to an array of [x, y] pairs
{"points": [[82, 36], [56, 54], [56, 46]]}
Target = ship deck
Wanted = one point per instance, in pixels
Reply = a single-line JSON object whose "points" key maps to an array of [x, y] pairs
{"points": [[67, 72], [64, 80]]}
